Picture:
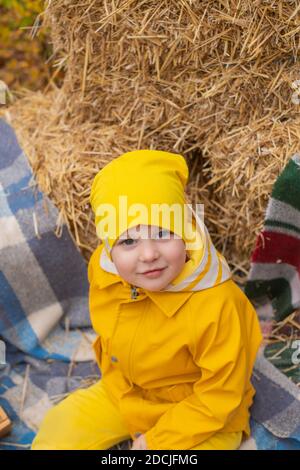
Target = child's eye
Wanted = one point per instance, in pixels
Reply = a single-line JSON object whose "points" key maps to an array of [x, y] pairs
{"points": [[163, 234], [127, 240]]}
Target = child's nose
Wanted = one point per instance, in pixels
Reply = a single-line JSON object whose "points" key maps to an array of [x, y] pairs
{"points": [[149, 250]]}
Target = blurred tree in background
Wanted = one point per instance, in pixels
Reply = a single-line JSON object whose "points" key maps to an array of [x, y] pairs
{"points": [[24, 50]]}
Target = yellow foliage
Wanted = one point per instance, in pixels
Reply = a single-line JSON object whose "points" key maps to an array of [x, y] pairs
{"points": [[22, 58]]}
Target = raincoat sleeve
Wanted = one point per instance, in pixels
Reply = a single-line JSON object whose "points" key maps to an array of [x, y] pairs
{"points": [[222, 351]]}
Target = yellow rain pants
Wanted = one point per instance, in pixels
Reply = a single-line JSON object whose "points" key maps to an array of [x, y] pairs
{"points": [[87, 419]]}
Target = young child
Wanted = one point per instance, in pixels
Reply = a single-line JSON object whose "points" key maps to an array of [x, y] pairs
{"points": [[177, 338]]}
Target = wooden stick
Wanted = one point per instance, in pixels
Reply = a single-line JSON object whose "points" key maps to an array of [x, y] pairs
{"points": [[5, 423]]}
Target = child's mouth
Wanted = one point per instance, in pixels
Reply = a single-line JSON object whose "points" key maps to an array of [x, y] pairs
{"points": [[154, 273]]}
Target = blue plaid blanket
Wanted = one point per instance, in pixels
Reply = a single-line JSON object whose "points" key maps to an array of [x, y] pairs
{"points": [[45, 331]]}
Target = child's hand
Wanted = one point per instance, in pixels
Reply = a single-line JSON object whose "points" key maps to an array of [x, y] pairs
{"points": [[139, 443]]}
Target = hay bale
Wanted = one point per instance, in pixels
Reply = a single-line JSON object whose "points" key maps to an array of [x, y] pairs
{"points": [[211, 80]]}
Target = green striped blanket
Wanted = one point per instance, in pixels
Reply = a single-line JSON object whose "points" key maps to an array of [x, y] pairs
{"points": [[273, 284]]}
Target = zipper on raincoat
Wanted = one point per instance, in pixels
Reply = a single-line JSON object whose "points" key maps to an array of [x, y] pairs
{"points": [[134, 292]]}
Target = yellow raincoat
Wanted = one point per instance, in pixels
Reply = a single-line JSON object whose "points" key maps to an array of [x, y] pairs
{"points": [[178, 362], [177, 365]]}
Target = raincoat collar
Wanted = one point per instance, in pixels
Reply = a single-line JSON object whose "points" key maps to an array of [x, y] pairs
{"points": [[169, 302]]}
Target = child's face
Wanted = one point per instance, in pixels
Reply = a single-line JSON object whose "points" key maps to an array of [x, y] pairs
{"points": [[149, 248]]}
